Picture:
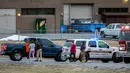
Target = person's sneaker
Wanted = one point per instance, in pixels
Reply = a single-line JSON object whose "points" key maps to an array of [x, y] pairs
{"points": [[83, 61]]}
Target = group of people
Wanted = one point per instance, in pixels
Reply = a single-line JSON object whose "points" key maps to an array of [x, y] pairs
{"points": [[73, 52], [33, 47]]}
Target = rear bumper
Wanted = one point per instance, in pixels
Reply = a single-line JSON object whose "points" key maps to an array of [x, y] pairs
{"points": [[123, 54]]}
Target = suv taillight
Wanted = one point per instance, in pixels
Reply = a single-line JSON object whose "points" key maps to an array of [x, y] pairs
{"points": [[122, 45], [62, 49], [4, 47]]}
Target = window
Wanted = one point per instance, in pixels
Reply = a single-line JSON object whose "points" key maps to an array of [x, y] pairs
{"points": [[108, 10], [78, 43], [116, 10], [47, 42], [38, 11], [109, 26], [118, 26], [92, 44], [101, 10], [102, 45], [113, 26], [124, 9], [31, 11], [49, 11], [124, 35], [67, 44]]}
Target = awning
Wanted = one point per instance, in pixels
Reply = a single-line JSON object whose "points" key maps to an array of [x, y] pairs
{"points": [[116, 14]]}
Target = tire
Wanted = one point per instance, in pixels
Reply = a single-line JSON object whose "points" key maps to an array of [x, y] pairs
{"points": [[105, 61], [126, 60], [116, 59], [63, 58], [16, 56], [58, 57], [102, 34], [12, 58]]}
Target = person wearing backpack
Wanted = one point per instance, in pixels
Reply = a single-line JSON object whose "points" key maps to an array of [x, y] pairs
{"points": [[82, 49], [39, 48]]}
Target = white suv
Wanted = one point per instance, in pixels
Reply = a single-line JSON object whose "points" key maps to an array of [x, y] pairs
{"points": [[95, 49]]}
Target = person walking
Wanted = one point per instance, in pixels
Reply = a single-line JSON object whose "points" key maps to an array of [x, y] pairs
{"points": [[32, 50], [73, 52], [82, 49], [39, 48]]}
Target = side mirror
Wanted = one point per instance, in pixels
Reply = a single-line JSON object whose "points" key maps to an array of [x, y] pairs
{"points": [[108, 47]]}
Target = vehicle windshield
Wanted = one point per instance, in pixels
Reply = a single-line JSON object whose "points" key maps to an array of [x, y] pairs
{"points": [[67, 44], [124, 35]]}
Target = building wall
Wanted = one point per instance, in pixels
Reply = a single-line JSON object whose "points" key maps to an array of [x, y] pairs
{"points": [[27, 22]]}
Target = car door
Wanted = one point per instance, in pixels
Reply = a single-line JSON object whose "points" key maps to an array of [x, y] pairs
{"points": [[117, 29], [112, 30], [105, 51], [92, 46], [48, 48], [107, 31]]}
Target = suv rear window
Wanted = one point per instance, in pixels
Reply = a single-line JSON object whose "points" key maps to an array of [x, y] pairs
{"points": [[67, 44], [124, 35], [92, 44], [78, 43]]}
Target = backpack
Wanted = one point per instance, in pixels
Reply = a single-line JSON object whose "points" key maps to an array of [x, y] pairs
{"points": [[83, 46]]}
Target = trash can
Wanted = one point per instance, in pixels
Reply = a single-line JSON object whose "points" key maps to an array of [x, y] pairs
{"points": [[40, 25]]}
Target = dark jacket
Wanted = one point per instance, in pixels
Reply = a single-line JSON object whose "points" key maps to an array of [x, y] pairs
{"points": [[39, 46], [83, 46]]}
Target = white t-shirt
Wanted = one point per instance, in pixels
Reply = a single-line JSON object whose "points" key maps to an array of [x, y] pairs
{"points": [[32, 46]]}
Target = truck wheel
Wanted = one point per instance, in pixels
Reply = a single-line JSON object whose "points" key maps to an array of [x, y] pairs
{"points": [[105, 61], [126, 60], [63, 58], [17, 56], [12, 58], [58, 57], [102, 34], [116, 59]]}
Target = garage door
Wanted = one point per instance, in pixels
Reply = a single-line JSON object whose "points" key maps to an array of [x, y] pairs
{"points": [[7, 20], [81, 11], [66, 14]]}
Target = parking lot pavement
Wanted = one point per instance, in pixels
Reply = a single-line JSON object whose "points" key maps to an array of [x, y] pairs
{"points": [[92, 64]]}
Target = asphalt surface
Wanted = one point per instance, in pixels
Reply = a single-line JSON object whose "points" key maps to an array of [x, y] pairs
{"points": [[92, 64]]}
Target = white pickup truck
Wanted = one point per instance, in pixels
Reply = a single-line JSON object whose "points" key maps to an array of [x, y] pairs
{"points": [[112, 29]]}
